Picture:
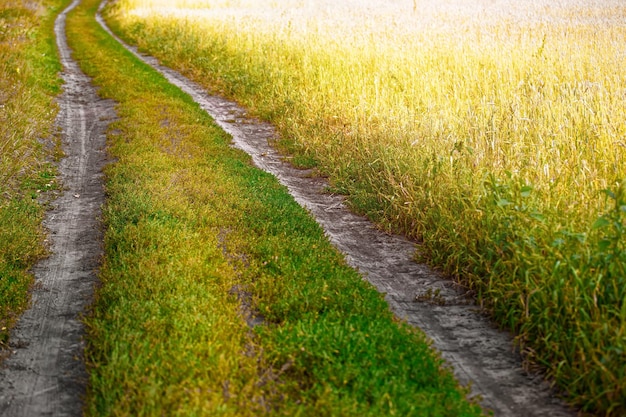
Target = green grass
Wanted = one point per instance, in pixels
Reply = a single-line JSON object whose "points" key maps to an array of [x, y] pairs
{"points": [[29, 82], [495, 137], [195, 238]]}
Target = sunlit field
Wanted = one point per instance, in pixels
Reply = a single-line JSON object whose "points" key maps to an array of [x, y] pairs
{"points": [[491, 131]]}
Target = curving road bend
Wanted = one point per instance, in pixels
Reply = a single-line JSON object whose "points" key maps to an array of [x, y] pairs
{"points": [[45, 374]]}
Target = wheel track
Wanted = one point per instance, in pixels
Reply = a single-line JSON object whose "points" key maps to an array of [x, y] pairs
{"points": [[45, 374], [477, 351]]}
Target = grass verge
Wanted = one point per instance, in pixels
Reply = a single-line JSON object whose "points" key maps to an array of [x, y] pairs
{"points": [[492, 133], [29, 82], [196, 239]]}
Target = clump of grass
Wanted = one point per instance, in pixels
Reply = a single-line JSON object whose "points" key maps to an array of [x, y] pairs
{"points": [[28, 83], [488, 136], [194, 235]]}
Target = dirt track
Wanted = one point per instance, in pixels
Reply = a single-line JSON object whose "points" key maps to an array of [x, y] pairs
{"points": [[45, 374], [478, 352]]}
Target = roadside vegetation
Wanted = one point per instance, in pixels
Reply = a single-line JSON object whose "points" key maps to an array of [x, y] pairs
{"points": [[29, 82], [197, 240], [494, 136]]}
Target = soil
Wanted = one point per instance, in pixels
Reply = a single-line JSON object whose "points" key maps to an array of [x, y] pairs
{"points": [[45, 373], [479, 353]]}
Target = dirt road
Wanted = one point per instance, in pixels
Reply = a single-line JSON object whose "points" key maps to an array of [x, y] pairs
{"points": [[45, 374], [479, 353]]}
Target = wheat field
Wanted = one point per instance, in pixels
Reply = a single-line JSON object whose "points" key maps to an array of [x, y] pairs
{"points": [[491, 131]]}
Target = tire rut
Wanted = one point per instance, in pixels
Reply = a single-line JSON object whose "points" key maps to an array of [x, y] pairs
{"points": [[479, 353], [45, 373]]}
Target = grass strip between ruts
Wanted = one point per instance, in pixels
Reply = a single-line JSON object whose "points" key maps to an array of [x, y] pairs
{"points": [[195, 237]]}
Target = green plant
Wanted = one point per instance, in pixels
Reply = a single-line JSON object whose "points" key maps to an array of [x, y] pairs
{"points": [[487, 139], [197, 240]]}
